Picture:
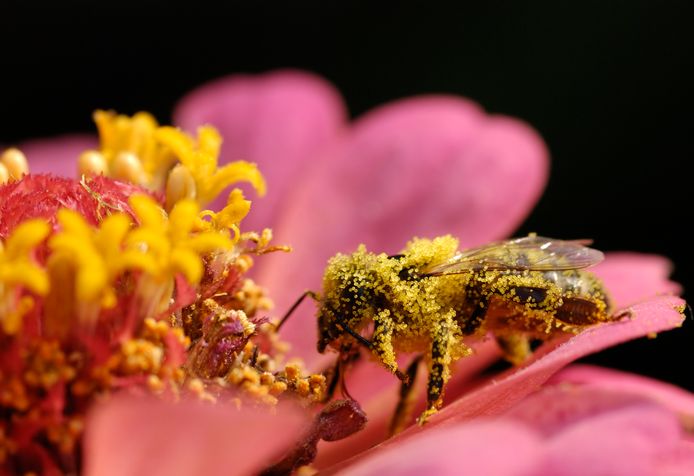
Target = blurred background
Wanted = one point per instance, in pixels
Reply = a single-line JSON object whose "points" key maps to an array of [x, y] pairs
{"points": [[607, 84]]}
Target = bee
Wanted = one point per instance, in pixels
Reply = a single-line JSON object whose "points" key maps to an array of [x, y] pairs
{"points": [[431, 297]]}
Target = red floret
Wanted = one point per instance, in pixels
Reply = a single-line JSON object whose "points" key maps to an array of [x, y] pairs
{"points": [[41, 196]]}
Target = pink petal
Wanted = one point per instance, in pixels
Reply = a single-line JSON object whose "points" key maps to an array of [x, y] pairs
{"points": [[144, 437], [588, 376], [601, 421], [279, 120], [558, 406], [57, 155], [623, 442], [419, 167], [479, 448], [504, 391], [631, 277], [677, 462]]}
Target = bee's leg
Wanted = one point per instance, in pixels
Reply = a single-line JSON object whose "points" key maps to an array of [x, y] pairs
{"points": [[403, 412], [438, 369], [313, 296], [516, 348], [382, 347], [336, 372], [472, 323]]}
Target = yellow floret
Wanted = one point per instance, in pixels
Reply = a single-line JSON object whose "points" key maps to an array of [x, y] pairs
{"points": [[138, 150], [96, 254], [19, 270], [170, 246], [231, 215], [131, 150], [200, 159]]}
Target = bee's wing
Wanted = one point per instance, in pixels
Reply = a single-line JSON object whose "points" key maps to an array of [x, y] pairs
{"points": [[534, 253]]}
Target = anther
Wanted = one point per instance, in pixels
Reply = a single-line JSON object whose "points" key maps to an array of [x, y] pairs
{"points": [[127, 167], [15, 162], [4, 175], [92, 162], [179, 185]]}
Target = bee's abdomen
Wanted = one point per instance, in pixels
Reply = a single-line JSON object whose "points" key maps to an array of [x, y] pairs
{"points": [[580, 311]]}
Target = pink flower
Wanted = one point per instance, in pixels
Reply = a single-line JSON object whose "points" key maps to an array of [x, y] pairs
{"points": [[422, 166]]}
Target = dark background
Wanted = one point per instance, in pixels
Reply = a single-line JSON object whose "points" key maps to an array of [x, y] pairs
{"points": [[607, 84]]}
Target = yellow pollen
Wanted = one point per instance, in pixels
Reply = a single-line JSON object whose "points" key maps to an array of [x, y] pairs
{"points": [[277, 388], [292, 371]]}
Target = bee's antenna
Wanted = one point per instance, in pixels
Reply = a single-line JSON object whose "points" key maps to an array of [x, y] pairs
{"points": [[254, 356], [294, 306]]}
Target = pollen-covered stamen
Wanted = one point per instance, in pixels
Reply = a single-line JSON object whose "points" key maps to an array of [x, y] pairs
{"points": [[262, 242], [15, 162], [92, 162]]}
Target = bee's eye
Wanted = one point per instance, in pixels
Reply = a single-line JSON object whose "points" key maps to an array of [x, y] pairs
{"points": [[406, 274]]}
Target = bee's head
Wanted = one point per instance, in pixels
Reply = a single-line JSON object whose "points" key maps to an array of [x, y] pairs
{"points": [[339, 332], [347, 299], [334, 316]]}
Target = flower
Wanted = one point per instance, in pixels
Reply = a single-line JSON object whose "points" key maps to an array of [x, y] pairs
{"points": [[114, 288], [421, 166]]}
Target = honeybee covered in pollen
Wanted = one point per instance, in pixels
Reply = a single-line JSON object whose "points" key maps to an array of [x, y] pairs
{"points": [[431, 296]]}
